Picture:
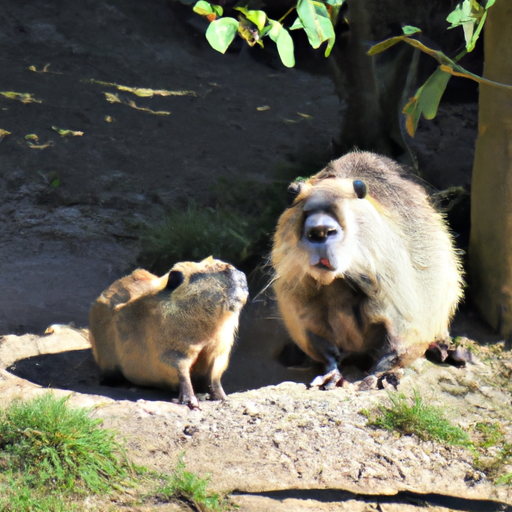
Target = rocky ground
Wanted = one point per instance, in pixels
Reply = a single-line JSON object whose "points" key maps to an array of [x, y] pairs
{"points": [[72, 209], [284, 446]]}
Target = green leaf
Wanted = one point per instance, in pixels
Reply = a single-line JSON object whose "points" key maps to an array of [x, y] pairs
{"points": [[409, 30], [266, 29], [474, 14], [220, 33], [469, 14], [330, 46], [205, 9], [384, 45], [316, 22], [461, 15], [426, 100], [284, 43], [297, 24], [470, 46], [259, 18], [218, 10]]}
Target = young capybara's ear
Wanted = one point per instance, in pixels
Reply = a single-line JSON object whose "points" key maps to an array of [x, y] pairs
{"points": [[175, 279]]}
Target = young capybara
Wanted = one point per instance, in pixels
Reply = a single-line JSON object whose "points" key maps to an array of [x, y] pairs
{"points": [[157, 331], [364, 266]]}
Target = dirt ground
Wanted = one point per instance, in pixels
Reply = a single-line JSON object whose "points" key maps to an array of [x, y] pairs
{"points": [[129, 166], [72, 207]]}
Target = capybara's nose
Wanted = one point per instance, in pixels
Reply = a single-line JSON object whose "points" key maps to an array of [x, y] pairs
{"points": [[321, 227], [241, 288], [241, 280]]}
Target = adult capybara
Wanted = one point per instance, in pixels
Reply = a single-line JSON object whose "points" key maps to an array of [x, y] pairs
{"points": [[157, 331], [364, 266]]}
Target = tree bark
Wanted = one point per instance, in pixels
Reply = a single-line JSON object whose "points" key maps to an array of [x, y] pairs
{"points": [[490, 248], [373, 90]]}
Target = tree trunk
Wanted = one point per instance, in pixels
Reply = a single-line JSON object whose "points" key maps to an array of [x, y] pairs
{"points": [[490, 248], [373, 90]]}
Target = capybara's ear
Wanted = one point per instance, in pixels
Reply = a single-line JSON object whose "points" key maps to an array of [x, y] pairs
{"points": [[360, 189], [175, 279], [292, 192]]}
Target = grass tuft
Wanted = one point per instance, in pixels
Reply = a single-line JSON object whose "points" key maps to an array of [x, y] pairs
{"points": [[53, 457], [414, 416], [494, 452], [187, 486], [18, 496], [193, 234], [58, 447]]}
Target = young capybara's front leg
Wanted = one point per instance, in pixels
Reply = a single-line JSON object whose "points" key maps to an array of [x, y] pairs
{"points": [[174, 361], [215, 371], [187, 395]]}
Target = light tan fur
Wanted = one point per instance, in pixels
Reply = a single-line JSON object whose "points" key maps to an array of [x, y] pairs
{"points": [[156, 336], [396, 279]]}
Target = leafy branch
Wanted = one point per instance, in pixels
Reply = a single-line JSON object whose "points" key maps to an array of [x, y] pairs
{"points": [[316, 18], [469, 15]]}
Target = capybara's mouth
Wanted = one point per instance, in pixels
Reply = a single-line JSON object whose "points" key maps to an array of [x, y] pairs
{"points": [[325, 264]]}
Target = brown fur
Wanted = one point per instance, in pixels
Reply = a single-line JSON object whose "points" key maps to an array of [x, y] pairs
{"points": [[395, 279], [156, 334]]}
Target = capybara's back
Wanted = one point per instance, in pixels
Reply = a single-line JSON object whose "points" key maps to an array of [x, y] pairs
{"points": [[140, 282], [156, 331]]}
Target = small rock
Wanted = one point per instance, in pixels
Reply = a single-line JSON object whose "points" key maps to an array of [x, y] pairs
{"points": [[250, 409]]}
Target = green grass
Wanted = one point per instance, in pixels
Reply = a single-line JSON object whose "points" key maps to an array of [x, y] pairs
{"points": [[490, 435], [414, 416], [193, 234], [58, 446], [50, 453], [189, 487], [236, 224], [52, 456], [18, 496]]}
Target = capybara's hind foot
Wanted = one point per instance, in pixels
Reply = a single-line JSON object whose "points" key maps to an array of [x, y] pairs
{"points": [[383, 381], [441, 353], [329, 380]]}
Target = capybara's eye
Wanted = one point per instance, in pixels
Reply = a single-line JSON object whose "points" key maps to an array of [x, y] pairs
{"points": [[292, 192], [360, 189], [175, 279]]}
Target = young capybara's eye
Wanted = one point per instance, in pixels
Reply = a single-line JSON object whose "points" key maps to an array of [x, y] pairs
{"points": [[292, 192]]}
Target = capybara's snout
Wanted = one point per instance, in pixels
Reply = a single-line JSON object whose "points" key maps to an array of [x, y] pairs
{"points": [[321, 233], [240, 289]]}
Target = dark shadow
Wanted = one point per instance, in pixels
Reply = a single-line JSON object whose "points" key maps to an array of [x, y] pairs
{"points": [[76, 370], [253, 365], [262, 356], [404, 497], [468, 322]]}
